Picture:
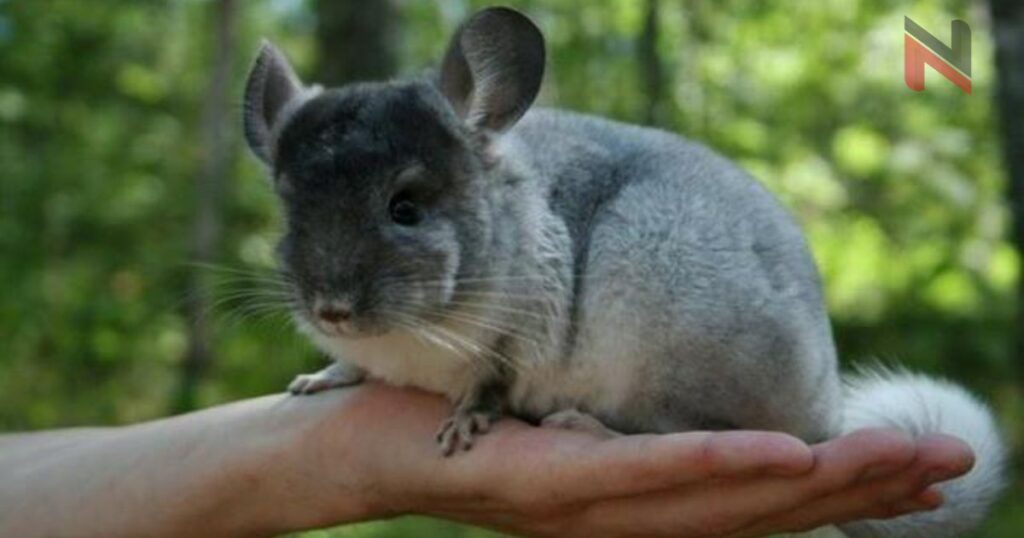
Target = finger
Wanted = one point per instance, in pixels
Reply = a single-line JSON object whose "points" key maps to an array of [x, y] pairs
{"points": [[733, 504], [638, 464], [877, 500], [938, 458], [947, 457]]}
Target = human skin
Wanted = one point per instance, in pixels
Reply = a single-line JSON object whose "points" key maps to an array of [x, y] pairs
{"points": [[280, 463]]}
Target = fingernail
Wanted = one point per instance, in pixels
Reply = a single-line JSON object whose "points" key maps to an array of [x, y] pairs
{"points": [[930, 496], [926, 500]]}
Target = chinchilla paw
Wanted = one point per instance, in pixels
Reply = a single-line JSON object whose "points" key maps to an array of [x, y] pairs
{"points": [[457, 431], [334, 376]]}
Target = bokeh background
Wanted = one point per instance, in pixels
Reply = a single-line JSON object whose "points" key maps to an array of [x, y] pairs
{"points": [[134, 226]]}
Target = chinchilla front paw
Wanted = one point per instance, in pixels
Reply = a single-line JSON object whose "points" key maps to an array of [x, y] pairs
{"points": [[336, 375], [473, 415], [457, 431]]}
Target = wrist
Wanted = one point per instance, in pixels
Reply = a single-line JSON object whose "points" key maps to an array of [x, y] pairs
{"points": [[268, 490], [309, 462], [300, 467], [341, 456], [259, 470]]}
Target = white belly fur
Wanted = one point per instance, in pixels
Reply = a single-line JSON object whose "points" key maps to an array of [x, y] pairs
{"points": [[402, 358]]}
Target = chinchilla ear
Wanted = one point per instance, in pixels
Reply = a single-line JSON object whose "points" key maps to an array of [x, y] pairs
{"points": [[493, 68], [272, 88]]}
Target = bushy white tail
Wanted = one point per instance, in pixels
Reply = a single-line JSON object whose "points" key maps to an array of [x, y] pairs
{"points": [[918, 404]]}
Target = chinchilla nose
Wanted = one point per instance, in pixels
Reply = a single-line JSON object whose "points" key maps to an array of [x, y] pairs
{"points": [[334, 312]]}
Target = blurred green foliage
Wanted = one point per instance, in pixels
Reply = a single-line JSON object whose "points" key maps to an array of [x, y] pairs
{"points": [[901, 193]]}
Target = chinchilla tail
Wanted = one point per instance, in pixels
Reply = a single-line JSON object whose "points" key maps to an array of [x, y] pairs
{"points": [[882, 397]]}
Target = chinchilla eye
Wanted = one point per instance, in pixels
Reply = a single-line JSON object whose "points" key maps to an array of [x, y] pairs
{"points": [[404, 211]]}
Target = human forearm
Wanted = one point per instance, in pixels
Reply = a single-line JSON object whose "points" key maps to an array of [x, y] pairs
{"points": [[228, 470]]}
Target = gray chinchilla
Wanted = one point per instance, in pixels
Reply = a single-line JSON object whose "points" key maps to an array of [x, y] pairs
{"points": [[561, 267]]}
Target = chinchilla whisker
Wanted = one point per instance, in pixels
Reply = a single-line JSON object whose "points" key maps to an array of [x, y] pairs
{"points": [[426, 332], [500, 295], [488, 325], [481, 348], [265, 287], [481, 304], [235, 313], [501, 327], [263, 309], [268, 306], [499, 291], [514, 311], [503, 297], [249, 299], [277, 319], [255, 306], [240, 274], [242, 293], [500, 308], [255, 292], [235, 269], [437, 339], [243, 300], [269, 275], [250, 286], [235, 318], [470, 317], [527, 292], [510, 287], [494, 278], [266, 324], [436, 284], [468, 343], [485, 323], [507, 278], [249, 283], [241, 287]]}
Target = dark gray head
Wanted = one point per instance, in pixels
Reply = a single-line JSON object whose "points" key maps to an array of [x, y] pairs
{"points": [[387, 187]]}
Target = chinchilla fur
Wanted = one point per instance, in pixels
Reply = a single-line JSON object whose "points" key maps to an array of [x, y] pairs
{"points": [[444, 234]]}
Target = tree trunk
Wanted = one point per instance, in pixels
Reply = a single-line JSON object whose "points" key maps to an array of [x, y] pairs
{"points": [[216, 163], [697, 29], [652, 72], [356, 40], [1008, 30]]}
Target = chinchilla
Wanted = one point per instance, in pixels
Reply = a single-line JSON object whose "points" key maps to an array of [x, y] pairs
{"points": [[552, 265]]}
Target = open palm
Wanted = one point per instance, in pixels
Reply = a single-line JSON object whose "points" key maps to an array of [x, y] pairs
{"points": [[547, 482]]}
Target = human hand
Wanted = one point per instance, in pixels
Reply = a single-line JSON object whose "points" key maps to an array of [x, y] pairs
{"points": [[544, 482]]}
